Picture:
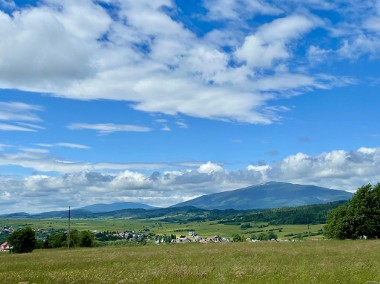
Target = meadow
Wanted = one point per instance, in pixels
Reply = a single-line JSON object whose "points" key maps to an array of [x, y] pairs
{"points": [[262, 262]]}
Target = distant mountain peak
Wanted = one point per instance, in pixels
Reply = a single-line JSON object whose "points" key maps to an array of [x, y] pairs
{"points": [[271, 194]]}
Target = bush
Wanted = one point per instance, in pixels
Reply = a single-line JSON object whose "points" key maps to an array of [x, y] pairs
{"points": [[23, 240]]}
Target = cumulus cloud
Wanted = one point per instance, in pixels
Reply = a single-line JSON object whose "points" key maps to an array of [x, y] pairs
{"points": [[138, 52], [337, 169], [210, 168]]}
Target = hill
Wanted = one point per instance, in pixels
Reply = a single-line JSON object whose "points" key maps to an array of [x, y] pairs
{"points": [[101, 207], [268, 195]]}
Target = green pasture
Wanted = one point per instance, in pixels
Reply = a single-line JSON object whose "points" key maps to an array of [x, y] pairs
{"points": [[204, 229], [263, 262]]}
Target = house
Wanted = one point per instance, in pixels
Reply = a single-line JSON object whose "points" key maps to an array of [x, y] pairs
{"points": [[5, 247], [183, 239]]}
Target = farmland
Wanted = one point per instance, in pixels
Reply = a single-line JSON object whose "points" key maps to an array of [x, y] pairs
{"points": [[263, 262], [204, 229]]}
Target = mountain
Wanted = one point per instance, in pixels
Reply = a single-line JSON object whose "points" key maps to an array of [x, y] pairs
{"points": [[268, 195], [97, 208]]}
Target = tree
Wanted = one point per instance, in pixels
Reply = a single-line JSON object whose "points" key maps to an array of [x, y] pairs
{"points": [[359, 218], [262, 237], [86, 239], [23, 240], [237, 238], [56, 240], [338, 226], [272, 236], [73, 238]]}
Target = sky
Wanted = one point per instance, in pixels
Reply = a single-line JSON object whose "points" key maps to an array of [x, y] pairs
{"points": [[161, 101]]}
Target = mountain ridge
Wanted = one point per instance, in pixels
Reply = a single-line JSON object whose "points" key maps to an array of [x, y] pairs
{"points": [[267, 195], [108, 207]]}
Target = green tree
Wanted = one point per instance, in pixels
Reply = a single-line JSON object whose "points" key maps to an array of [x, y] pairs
{"points": [[23, 240], [263, 237], [245, 226], [86, 239], [237, 238], [56, 240], [338, 224], [272, 236], [73, 238], [359, 218]]}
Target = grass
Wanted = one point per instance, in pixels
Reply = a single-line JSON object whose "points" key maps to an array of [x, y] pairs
{"points": [[264, 262]]}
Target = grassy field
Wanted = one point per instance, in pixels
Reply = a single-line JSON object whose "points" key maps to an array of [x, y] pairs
{"points": [[204, 229], [264, 262]]}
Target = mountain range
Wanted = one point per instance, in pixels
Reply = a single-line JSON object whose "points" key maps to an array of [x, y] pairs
{"points": [[268, 195], [264, 196], [101, 207]]}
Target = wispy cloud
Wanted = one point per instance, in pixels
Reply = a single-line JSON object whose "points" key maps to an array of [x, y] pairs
{"points": [[19, 117], [181, 124], [72, 145], [35, 150], [12, 127], [165, 127], [8, 4], [5, 146], [64, 145], [106, 128], [16, 111]]}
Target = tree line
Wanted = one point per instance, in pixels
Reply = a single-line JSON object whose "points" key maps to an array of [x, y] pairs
{"points": [[360, 218], [24, 240]]}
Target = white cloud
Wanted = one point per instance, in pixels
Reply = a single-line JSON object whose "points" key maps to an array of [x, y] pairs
{"points": [[35, 150], [269, 44], [210, 168], [165, 128], [12, 127], [182, 124], [64, 145], [8, 4], [17, 111], [72, 145], [360, 45], [144, 56], [4, 146], [18, 117], [106, 128], [235, 9], [80, 186]]}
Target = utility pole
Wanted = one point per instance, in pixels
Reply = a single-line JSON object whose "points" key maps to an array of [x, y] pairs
{"points": [[68, 235]]}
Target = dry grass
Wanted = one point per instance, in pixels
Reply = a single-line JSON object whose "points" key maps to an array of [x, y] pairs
{"points": [[304, 262]]}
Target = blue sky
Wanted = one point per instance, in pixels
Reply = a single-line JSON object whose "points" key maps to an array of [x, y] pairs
{"points": [[162, 101]]}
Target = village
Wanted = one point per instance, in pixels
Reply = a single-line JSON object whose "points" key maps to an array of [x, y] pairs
{"points": [[141, 237]]}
